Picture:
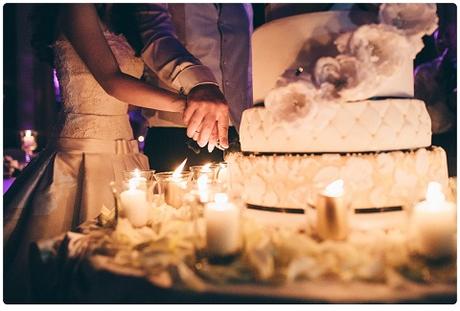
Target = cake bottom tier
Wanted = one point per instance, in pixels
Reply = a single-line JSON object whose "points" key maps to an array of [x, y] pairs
{"points": [[372, 180]]}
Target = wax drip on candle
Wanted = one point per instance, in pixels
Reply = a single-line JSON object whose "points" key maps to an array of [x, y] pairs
{"points": [[178, 170], [334, 189]]}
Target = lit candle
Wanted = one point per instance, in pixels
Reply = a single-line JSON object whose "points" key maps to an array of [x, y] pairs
{"points": [[332, 212], [222, 227], [28, 141], [206, 168], [175, 187], [203, 188], [434, 223], [135, 204]]}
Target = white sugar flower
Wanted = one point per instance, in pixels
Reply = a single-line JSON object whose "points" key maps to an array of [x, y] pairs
{"points": [[379, 47], [337, 76], [293, 102], [413, 19]]}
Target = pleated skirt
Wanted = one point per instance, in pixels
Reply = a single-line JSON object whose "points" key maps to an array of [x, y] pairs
{"points": [[66, 185]]}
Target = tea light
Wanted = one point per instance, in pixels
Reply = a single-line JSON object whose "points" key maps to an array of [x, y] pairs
{"points": [[434, 222], [222, 227], [332, 212], [175, 187], [135, 204]]}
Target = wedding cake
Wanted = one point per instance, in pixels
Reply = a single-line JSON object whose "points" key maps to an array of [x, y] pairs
{"points": [[338, 104]]}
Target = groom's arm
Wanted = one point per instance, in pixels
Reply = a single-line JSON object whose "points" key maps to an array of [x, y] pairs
{"points": [[207, 110], [164, 54]]}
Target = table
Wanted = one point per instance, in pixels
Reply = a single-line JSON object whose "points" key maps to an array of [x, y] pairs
{"points": [[68, 277]]}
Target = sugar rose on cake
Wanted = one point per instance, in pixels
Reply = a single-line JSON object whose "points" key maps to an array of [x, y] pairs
{"points": [[415, 19], [295, 101]]}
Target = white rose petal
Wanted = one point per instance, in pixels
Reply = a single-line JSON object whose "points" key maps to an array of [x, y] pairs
{"points": [[359, 173], [385, 163]]}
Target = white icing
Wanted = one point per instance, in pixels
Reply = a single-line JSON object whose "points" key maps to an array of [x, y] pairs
{"points": [[362, 126], [371, 180]]}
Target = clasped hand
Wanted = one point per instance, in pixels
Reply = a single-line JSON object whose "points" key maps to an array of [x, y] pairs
{"points": [[207, 116]]}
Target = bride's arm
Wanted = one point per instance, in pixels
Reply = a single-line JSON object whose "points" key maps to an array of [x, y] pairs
{"points": [[80, 24]]}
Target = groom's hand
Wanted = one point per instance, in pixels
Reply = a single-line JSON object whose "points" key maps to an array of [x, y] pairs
{"points": [[206, 108]]}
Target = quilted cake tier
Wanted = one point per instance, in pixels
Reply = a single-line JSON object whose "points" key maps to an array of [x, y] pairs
{"points": [[370, 125], [372, 180]]}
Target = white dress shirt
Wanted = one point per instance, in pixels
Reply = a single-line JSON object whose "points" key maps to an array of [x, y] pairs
{"points": [[186, 45]]}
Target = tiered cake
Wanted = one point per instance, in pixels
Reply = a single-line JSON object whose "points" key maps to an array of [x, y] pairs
{"points": [[338, 105]]}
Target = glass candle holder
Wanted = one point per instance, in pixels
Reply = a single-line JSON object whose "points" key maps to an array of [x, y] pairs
{"points": [[140, 174], [28, 143], [134, 200], [223, 227], [173, 187], [210, 170]]}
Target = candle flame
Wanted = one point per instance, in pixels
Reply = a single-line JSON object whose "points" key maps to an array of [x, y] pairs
{"points": [[335, 188], [28, 133], [434, 192], [178, 170], [206, 168], [220, 198]]}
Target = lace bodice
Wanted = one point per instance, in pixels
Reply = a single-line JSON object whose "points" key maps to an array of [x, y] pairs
{"points": [[89, 112]]}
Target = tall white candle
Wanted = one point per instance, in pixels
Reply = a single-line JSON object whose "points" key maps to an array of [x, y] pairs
{"points": [[434, 223], [222, 226], [135, 204]]}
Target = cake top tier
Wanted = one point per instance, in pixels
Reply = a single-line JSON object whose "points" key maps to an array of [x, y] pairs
{"points": [[340, 58]]}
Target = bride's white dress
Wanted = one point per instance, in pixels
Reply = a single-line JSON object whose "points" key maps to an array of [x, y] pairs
{"points": [[68, 182]]}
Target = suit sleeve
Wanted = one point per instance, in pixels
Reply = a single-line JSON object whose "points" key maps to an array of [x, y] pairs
{"points": [[164, 54]]}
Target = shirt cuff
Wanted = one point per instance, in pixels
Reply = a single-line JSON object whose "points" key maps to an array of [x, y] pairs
{"points": [[193, 75]]}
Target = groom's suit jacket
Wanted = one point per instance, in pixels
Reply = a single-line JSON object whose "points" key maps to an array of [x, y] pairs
{"points": [[186, 45]]}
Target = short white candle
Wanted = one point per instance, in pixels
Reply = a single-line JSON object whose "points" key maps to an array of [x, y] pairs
{"points": [[434, 223], [222, 226], [203, 188], [135, 204]]}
